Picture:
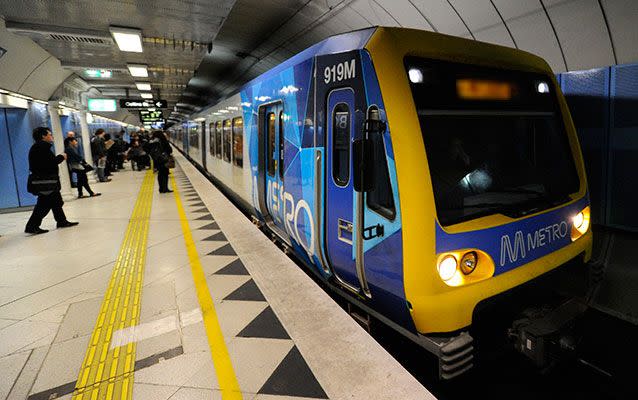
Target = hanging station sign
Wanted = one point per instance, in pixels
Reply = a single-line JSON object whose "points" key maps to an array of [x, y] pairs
{"points": [[148, 117], [137, 103]]}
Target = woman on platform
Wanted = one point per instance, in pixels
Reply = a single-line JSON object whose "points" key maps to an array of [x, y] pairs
{"points": [[78, 165]]}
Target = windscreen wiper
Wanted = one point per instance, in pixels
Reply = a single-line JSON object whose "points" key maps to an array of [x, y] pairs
{"points": [[519, 190], [480, 205]]}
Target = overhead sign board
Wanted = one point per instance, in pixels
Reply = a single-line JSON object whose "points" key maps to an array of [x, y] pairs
{"points": [[137, 103], [99, 73], [151, 116], [104, 105]]}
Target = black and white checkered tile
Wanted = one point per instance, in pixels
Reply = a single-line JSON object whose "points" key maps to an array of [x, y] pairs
{"points": [[292, 377]]}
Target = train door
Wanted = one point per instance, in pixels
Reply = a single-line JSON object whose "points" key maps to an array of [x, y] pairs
{"points": [[274, 165], [339, 223], [202, 130]]}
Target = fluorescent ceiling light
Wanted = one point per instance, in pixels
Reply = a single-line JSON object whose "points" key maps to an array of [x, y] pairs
{"points": [[99, 73], [107, 105], [138, 70], [147, 95], [13, 101], [127, 39], [143, 86]]}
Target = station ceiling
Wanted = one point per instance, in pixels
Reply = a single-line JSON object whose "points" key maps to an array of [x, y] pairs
{"points": [[248, 37]]}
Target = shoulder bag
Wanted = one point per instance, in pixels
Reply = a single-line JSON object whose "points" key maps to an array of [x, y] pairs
{"points": [[171, 162], [43, 184]]}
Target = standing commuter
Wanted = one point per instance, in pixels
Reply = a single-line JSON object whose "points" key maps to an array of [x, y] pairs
{"points": [[70, 135], [78, 165], [161, 151], [44, 182], [98, 149]]}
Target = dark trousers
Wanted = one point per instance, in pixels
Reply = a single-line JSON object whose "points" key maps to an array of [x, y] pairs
{"points": [[162, 178], [45, 204], [83, 182]]}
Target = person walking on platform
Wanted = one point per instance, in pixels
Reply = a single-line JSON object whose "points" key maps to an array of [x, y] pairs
{"points": [[44, 181], [78, 165], [161, 151]]}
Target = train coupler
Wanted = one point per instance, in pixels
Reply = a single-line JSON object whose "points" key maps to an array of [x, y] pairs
{"points": [[546, 335]]}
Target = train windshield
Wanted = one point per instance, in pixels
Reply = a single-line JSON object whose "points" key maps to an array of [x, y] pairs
{"points": [[495, 140]]}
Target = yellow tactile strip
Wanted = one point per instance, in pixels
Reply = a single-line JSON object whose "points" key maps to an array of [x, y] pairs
{"points": [[226, 377], [107, 373]]}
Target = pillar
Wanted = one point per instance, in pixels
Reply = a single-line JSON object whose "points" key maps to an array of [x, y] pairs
{"points": [[86, 144], [58, 143]]}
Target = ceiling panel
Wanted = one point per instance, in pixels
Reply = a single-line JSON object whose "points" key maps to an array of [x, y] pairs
{"points": [[405, 13], [477, 14], [511, 9], [442, 16], [622, 16], [496, 34], [353, 19], [533, 33], [581, 30], [373, 12], [194, 19]]}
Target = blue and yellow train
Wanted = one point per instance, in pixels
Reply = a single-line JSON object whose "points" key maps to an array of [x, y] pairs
{"points": [[420, 173]]}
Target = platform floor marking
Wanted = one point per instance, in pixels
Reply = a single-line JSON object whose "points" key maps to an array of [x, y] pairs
{"points": [[108, 373], [219, 352]]}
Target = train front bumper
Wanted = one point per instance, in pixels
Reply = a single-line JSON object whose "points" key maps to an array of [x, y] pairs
{"points": [[453, 309]]}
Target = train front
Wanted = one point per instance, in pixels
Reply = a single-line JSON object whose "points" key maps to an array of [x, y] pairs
{"points": [[491, 177]]}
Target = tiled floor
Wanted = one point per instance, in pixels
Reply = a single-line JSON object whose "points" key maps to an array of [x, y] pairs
{"points": [[52, 287]]}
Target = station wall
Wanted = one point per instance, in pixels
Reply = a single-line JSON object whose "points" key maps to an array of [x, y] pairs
{"points": [[604, 106]]}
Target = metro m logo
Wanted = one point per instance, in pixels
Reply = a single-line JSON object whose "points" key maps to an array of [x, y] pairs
{"points": [[512, 253]]}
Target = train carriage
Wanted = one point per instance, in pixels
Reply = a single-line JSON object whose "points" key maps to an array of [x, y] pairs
{"points": [[419, 173]]}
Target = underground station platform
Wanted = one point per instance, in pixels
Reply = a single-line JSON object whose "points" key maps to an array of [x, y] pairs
{"points": [[175, 295]]}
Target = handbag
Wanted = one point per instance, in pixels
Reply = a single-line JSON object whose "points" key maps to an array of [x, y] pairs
{"points": [[171, 162], [87, 167], [43, 184]]}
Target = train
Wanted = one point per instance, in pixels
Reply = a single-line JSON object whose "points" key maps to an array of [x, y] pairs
{"points": [[418, 174]]}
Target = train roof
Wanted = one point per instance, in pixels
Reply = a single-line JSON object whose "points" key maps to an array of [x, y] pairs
{"points": [[340, 43]]}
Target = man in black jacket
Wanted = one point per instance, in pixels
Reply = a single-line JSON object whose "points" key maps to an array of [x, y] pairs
{"points": [[98, 149], [42, 163]]}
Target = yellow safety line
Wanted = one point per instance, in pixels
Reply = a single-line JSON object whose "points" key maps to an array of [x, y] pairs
{"points": [[221, 359], [108, 373]]}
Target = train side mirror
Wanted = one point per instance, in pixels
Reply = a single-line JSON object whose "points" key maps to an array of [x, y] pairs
{"points": [[362, 159], [363, 151]]}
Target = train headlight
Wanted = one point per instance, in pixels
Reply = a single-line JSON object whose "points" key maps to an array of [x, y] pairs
{"points": [[578, 220], [464, 266], [468, 262], [447, 268], [580, 223]]}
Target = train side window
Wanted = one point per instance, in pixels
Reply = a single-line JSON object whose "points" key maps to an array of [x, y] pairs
{"points": [[238, 141], [194, 137], [218, 139], [381, 198], [227, 140], [211, 140], [281, 145], [341, 144], [271, 143]]}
